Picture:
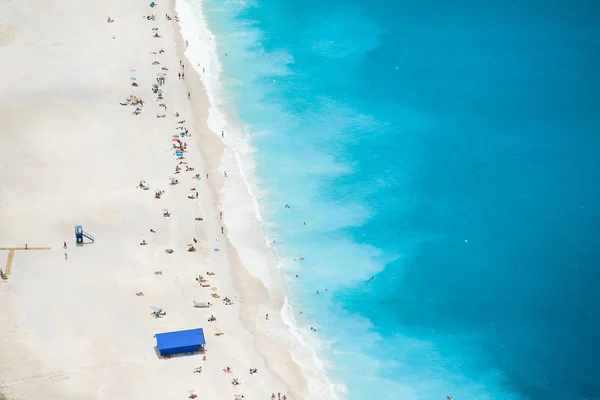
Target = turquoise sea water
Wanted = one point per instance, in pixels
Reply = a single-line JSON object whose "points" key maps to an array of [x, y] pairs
{"points": [[449, 150]]}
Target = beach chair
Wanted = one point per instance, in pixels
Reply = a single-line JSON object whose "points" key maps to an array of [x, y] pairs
{"points": [[201, 304]]}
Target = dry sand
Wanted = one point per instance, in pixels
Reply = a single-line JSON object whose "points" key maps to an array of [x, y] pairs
{"points": [[71, 154]]}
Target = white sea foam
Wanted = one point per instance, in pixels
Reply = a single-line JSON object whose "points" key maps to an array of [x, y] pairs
{"points": [[203, 55], [305, 355]]}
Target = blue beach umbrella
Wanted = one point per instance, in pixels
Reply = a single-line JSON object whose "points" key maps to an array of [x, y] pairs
{"points": [[179, 154], [132, 78]]}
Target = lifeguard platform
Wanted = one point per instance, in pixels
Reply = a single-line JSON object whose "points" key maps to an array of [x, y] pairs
{"points": [[80, 234]]}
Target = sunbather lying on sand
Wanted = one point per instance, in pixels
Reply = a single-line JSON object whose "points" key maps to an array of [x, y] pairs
{"points": [[139, 294], [169, 251]]}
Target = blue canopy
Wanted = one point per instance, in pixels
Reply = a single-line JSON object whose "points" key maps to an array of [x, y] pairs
{"points": [[180, 341]]}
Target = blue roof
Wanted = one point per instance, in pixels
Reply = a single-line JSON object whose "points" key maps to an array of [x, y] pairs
{"points": [[189, 337]]}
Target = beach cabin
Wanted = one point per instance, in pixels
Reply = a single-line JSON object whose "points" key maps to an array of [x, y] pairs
{"points": [[176, 342]]}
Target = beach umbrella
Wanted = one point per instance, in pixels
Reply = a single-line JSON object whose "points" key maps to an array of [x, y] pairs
{"points": [[175, 140], [215, 249], [165, 209], [214, 289], [132, 78], [179, 154], [155, 309], [190, 244]]}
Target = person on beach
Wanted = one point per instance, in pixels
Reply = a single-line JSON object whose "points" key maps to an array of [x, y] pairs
{"points": [[189, 94], [267, 316], [221, 215], [64, 245], [179, 75], [225, 174], [222, 230], [66, 256]]}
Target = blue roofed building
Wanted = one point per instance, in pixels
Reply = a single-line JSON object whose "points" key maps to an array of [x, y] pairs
{"points": [[190, 340]]}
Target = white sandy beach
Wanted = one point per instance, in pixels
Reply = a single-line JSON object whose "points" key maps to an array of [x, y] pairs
{"points": [[71, 154]]}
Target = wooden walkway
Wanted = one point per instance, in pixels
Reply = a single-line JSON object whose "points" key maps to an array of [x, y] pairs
{"points": [[11, 255]]}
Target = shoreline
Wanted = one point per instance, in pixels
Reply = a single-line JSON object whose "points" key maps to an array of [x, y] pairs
{"points": [[305, 362], [246, 285]]}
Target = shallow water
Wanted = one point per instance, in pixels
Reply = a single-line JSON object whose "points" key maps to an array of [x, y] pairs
{"points": [[449, 151]]}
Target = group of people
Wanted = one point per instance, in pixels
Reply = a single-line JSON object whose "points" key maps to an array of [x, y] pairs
{"points": [[180, 146]]}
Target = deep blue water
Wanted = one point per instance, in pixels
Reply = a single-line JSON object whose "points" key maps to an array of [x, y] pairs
{"points": [[450, 150]]}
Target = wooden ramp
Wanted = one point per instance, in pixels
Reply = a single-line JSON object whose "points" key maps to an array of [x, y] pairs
{"points": [[11, 255]]}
